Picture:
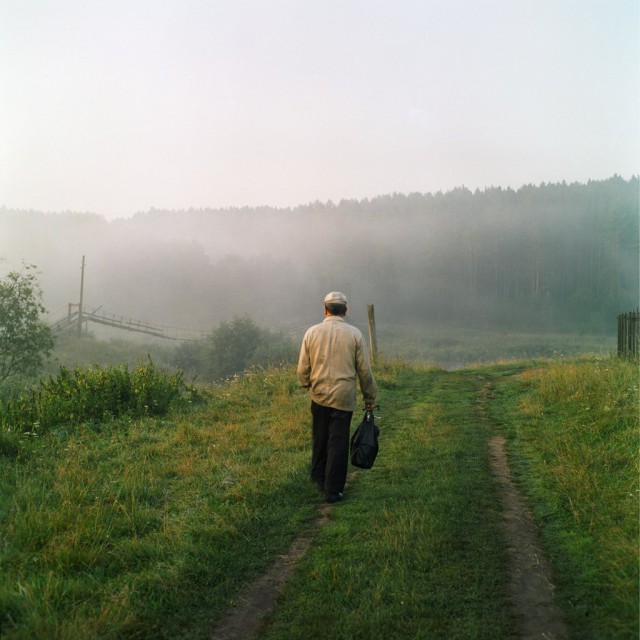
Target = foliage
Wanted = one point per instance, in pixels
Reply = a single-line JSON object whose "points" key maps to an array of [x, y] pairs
{"points": [[25, 340], [233, 348], [76, 396]]}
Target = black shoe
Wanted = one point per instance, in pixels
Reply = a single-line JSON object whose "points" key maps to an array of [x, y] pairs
{"points": [[331, 498]]}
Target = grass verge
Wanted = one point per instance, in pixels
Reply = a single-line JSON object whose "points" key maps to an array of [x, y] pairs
{"points": [[573, 440]]}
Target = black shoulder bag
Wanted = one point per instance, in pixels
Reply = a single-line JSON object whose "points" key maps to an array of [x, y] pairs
{"points": [[364, 442]]}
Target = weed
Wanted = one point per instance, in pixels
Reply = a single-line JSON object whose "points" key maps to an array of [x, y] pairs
{"points": [[147, 527]]}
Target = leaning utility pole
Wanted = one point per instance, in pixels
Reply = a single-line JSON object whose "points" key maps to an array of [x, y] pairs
{"points": [[81, 296]]}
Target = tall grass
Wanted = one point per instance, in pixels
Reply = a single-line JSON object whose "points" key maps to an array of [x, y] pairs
{"points": [[574, 436], [72, 351], [147, 527], [97, 394]]}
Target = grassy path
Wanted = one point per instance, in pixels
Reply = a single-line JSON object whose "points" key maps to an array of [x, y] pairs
{"points": [[421, 549], [417, 551]]}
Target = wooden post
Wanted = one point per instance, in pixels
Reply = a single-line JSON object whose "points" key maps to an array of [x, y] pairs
{"points": [[373, 341], [81, 296], [620, 335], [629, 335]]}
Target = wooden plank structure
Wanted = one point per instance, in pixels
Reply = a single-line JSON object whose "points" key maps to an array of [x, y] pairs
{"points": [[129, 324], [77, 317], [629, 335], [73, 319]]}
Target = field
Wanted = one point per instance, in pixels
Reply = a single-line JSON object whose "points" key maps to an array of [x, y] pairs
{"points": [[152, 527], [445, 345], [453, 347]]}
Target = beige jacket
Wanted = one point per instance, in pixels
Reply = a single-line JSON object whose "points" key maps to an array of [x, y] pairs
{"points": [[332, 356]]}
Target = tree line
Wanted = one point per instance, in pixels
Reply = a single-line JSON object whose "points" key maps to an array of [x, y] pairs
{"points": [[561, 256]]}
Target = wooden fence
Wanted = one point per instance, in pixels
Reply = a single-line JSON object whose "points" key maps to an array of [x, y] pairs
{"points": [[629, 335]]}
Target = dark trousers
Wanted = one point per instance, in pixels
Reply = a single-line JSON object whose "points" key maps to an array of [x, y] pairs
{"points": [[330, 447]]}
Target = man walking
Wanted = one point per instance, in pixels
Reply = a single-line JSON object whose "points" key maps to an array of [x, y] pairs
{"points": [[333, 357]]}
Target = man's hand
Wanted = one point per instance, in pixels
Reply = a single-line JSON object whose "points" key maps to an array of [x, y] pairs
{"points": [[369, 406]]}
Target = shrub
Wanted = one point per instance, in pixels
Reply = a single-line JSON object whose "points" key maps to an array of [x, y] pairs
{"points": [[233, 348], [93, 395]]}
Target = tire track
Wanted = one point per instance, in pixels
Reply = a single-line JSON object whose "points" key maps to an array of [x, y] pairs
{"points": [[246, 618], [531, 586]]}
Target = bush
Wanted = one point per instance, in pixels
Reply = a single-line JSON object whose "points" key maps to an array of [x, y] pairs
{"points": [[93, 395], [233, 348]]}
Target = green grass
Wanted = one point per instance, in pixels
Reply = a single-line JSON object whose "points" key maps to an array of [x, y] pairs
{"points": [[573, 431], [94, 395], [150, 527], [416, 551]]}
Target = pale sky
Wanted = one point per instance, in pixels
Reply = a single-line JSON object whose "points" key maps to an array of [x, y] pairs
{"points": [[116, 106]]}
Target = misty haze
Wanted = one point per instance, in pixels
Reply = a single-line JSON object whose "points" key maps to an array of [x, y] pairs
{"points": [[547, 259]]}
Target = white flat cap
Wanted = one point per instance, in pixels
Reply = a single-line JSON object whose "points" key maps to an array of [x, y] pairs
{"points": [[335, 297]]}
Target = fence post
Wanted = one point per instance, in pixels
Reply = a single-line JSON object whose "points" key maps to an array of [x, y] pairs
{"points": [[80, 309], [621, 340], [373, 341]]}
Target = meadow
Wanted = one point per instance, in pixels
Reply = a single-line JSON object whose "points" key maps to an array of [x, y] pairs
{"points": [[453, 347], [133, 525]]}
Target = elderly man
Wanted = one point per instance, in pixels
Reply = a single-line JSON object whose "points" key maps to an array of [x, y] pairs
{"points": [[332, 357]]}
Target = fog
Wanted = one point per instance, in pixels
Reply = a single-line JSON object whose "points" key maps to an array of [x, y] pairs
{"points": [[551, 257]]}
